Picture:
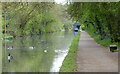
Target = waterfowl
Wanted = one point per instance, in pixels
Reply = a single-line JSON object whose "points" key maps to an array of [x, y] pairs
{"points": [[10, 48], [9, 57], [31, 48], [45, 51]]}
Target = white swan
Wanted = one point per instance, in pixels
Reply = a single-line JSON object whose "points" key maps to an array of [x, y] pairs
{"points": [[45, 51], [31, 48], [10, 57], [10, 48]]}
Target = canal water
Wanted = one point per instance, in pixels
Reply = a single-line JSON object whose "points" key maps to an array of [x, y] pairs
{"points": [[39, 53]]}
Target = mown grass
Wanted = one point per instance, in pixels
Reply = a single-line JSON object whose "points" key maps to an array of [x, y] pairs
{"points": [[69, 63], [105, 42]]}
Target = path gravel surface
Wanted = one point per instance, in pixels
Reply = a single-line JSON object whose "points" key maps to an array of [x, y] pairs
{"points": [[94, 58]]}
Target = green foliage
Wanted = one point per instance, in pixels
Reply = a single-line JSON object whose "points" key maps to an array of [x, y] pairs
{"points": [[69, 64], [102, 18], [105, 42], [9, 37], [26, 18]]}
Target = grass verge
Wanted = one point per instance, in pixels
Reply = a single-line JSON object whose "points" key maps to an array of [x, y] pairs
{"points": [[69, 63]]}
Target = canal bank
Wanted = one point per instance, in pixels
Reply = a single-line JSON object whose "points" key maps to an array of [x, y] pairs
{"points": [[69, 63], [85, 55]]}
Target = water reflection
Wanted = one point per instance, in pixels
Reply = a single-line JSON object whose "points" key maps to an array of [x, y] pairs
{"points": [[75, 33], [38, 53], [58, 59]]}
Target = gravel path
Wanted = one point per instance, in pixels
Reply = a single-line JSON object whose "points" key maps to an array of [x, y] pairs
{"points": [[94, 58]]}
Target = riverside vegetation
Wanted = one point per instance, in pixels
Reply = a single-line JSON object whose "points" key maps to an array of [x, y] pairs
{"points": [[28, 18], [69, 63], [100, 19]]}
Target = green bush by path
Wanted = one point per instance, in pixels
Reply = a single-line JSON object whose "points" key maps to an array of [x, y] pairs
{"points": [[69, 63], [105, 42]]}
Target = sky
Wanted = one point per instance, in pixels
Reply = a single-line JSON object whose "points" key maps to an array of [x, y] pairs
{"points": [[60, 1]]}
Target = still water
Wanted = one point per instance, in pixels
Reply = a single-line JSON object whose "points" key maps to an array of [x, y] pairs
{"points": [[39, 53]]}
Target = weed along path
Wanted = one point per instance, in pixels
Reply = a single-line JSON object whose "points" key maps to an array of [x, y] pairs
{"points": [[91, 57]]}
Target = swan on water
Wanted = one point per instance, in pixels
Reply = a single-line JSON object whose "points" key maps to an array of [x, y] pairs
{"points": [[45, 51], [31, 47], [10, 48], [10, 57]]}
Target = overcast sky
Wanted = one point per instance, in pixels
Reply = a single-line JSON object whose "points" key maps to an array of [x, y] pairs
{"points": [[60, 1]]}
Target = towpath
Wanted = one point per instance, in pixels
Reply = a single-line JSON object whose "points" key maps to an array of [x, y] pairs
{"points": [[94, 58]]}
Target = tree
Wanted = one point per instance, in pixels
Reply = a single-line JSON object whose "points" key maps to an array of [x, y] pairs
{"points": [[102, 18]]}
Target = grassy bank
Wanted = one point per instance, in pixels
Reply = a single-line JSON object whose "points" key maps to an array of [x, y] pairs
{"points": [[69, 64], [105, 42]]}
